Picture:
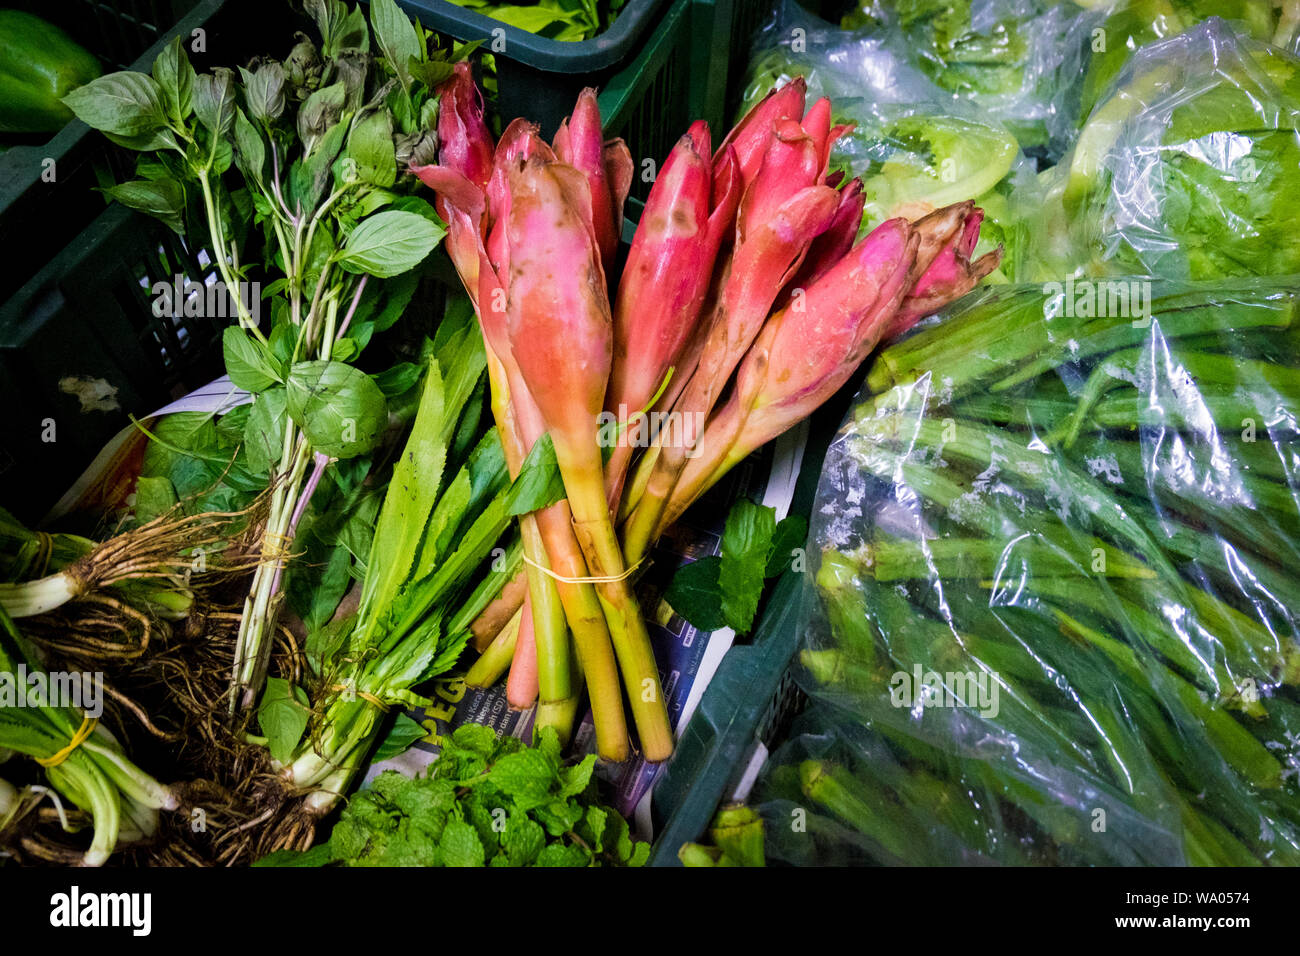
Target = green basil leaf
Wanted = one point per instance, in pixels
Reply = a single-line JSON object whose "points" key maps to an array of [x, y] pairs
{"points": [[264, 434], [389, 243], [370, 157], [431, 73], [746, 545], [214, 102], [249, 363], [395, 35], [124, 104], [694, 593], [264, 91], [539, 484], [282, 715], [176, 78], [154, 496], [418, 206], [400, 378], [320, 111], [339, 408], [163, 199], [250, 151]]}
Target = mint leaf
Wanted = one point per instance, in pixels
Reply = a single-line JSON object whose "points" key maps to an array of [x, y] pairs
{"points": [[791, 534], [460, 845], [695, 595], [283, 715], [561, 854], [746, 545], [574, 780], [523, 840], [526, 777]]}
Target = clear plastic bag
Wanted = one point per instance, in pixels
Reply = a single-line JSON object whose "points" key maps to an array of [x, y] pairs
{"points": [[1054, 609], [1018, 62], [914, 147], [1187, 169]]}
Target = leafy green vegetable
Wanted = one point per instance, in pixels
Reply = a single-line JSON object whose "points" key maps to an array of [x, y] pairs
{"points": [[565, 20], [485, 802], [716, 591], [1183, 170]]}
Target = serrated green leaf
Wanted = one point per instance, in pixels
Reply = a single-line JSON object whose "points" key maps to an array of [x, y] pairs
{"points": [[527, 777], [460, 845], [746, 545], [695, 595]]}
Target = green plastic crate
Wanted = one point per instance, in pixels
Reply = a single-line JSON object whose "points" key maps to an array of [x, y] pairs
{"points": [[753, 696]]}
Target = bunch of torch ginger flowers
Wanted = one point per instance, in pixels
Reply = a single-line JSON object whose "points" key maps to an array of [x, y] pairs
{"points": [[743, 304]]}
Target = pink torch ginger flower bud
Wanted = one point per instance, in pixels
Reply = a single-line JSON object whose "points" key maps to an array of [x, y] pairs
{"points": [[607, 167], [751, 135], [804, 354], [944, 267], [557, 307], [464, 143]]}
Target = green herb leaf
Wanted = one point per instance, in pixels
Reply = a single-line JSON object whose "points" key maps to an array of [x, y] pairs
{"points": [[283, 715], [791, 534], [695, 595], [320, 855], [526, 777], [124, 104], [249, 363], [264, 91], [163, 199], [405, 731], [250, 151], [175, 78], [395, 36], [746, 544], [539, 484], [154, 496], [369, 157], [264, 434], [214, 102], [339, 408], [460, 845], [389, 243], [409, 501]]}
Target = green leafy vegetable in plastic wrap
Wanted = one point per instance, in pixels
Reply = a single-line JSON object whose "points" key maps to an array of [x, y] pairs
{"points": [[1185, 170], [1134, 24]]}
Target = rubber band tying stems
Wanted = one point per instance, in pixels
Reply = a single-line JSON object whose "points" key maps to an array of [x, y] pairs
{"points": [[83, 733]]}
